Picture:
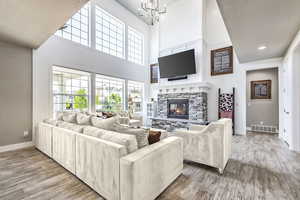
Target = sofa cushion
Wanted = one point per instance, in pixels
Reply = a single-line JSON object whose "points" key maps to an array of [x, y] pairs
{"points": [[83, 119], [105, 124], [52, 122], [69, 117], [140, 134], [70, 126], [124, 120], [59, 116], [129, 141]]}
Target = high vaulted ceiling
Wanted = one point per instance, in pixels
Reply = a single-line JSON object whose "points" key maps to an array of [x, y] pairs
{"points": [[255, 23], [31, 22]]}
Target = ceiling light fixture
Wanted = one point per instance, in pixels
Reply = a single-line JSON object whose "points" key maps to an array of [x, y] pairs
{"points": [[151, 9], [262, 48]]}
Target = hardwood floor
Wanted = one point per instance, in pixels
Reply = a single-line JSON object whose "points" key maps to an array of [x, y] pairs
{"points": [[261, 167]]}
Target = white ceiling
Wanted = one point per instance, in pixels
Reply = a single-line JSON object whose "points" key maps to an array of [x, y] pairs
{"points": [[31, 22], [253, 23]]}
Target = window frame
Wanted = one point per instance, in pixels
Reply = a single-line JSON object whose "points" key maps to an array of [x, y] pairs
{"points": [[129, 45], [63, 33], [110, 79], [120, 33], [63, 94]]}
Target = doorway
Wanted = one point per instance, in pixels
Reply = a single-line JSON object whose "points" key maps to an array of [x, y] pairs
{"points": [[262, 111]]}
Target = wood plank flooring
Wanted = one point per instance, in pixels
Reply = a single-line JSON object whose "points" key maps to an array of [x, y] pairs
{"points": [[261, 167]]}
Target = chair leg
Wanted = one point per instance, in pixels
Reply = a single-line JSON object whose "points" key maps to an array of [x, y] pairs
{"points": [[220, 171]]}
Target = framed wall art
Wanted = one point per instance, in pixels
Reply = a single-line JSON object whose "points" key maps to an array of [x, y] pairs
{"points": [[261, 89], [222, 61]]}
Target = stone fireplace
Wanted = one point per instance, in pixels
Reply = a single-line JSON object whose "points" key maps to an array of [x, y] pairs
{"points": [[178, 108]]}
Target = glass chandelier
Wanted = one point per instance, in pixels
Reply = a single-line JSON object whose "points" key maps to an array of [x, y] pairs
{"points": [[152, 9]]}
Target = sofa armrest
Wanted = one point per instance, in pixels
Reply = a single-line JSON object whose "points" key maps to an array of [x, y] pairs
{"points": [[148, 171], [98, 165], [43, 138], [197, 127]]}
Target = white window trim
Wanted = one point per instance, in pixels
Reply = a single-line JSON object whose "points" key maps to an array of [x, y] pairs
{"points": [[123, 35], [72, 71], [130, 28]]}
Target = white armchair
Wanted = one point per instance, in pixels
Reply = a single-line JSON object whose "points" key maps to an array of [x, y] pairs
{"points": [[209, 145]]}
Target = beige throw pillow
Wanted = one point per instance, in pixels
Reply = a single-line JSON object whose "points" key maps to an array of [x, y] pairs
{"points": [[106, 124], [140, 134], [83, 119], [69, 117]]}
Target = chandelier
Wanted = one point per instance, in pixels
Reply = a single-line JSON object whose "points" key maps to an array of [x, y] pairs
{"points": [[151, 9]]}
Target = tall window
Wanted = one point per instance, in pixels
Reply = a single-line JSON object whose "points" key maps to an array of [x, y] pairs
{"points": [[77, 28], [109, 94], [110, 33], [135, 46], [70, 90], [135, 96]]}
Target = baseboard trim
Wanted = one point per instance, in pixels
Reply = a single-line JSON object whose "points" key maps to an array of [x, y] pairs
{"points": [[13, 147]]}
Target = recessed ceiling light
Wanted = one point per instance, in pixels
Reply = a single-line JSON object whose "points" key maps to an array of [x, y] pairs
{"points": [[261, 47]]}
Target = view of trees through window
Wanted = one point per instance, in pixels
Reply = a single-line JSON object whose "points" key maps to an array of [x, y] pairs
{"points": [[70, 90], [109, 94]]}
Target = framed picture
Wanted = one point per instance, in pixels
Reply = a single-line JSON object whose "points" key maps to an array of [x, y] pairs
{"points": [[261, 89], [154, 73], [222, 61]]}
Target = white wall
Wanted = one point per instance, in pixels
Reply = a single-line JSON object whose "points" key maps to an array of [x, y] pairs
{"points": [[184, 34], [178, 21], [61, 52], [291, 95]]}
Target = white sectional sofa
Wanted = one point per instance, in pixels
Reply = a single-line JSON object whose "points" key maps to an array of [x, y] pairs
{"points": [[108, 167]]}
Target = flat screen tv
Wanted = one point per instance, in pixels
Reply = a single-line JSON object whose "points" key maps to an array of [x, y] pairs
{"points": [[176, 65]]}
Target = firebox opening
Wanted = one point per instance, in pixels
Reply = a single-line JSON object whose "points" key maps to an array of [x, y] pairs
{"points": [[178, 108]]}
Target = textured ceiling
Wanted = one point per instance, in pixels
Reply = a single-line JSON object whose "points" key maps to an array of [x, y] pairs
{"points": [[254, 23], [31, 22]]}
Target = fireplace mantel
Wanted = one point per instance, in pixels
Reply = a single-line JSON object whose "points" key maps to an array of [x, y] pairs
{"points": [[185, 88]]}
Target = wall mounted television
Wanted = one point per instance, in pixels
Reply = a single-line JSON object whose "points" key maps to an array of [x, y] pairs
{"points": [[176, 65]]}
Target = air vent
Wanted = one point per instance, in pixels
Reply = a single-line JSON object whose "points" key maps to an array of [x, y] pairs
{"points": [[264, 128]]}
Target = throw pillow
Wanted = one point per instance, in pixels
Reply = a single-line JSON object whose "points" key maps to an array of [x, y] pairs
{"points": [[154, 136], [83, 119], [105, 124], [69, 117], [140, 134], [59, 115]]}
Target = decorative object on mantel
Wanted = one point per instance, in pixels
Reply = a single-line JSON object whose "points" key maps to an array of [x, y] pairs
{"points": [[226, 106], [222, 61], [152, 9], [154, 73], [261, 89]]}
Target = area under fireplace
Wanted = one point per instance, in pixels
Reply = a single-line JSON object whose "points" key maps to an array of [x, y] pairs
{"points": [[178, 108]]}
